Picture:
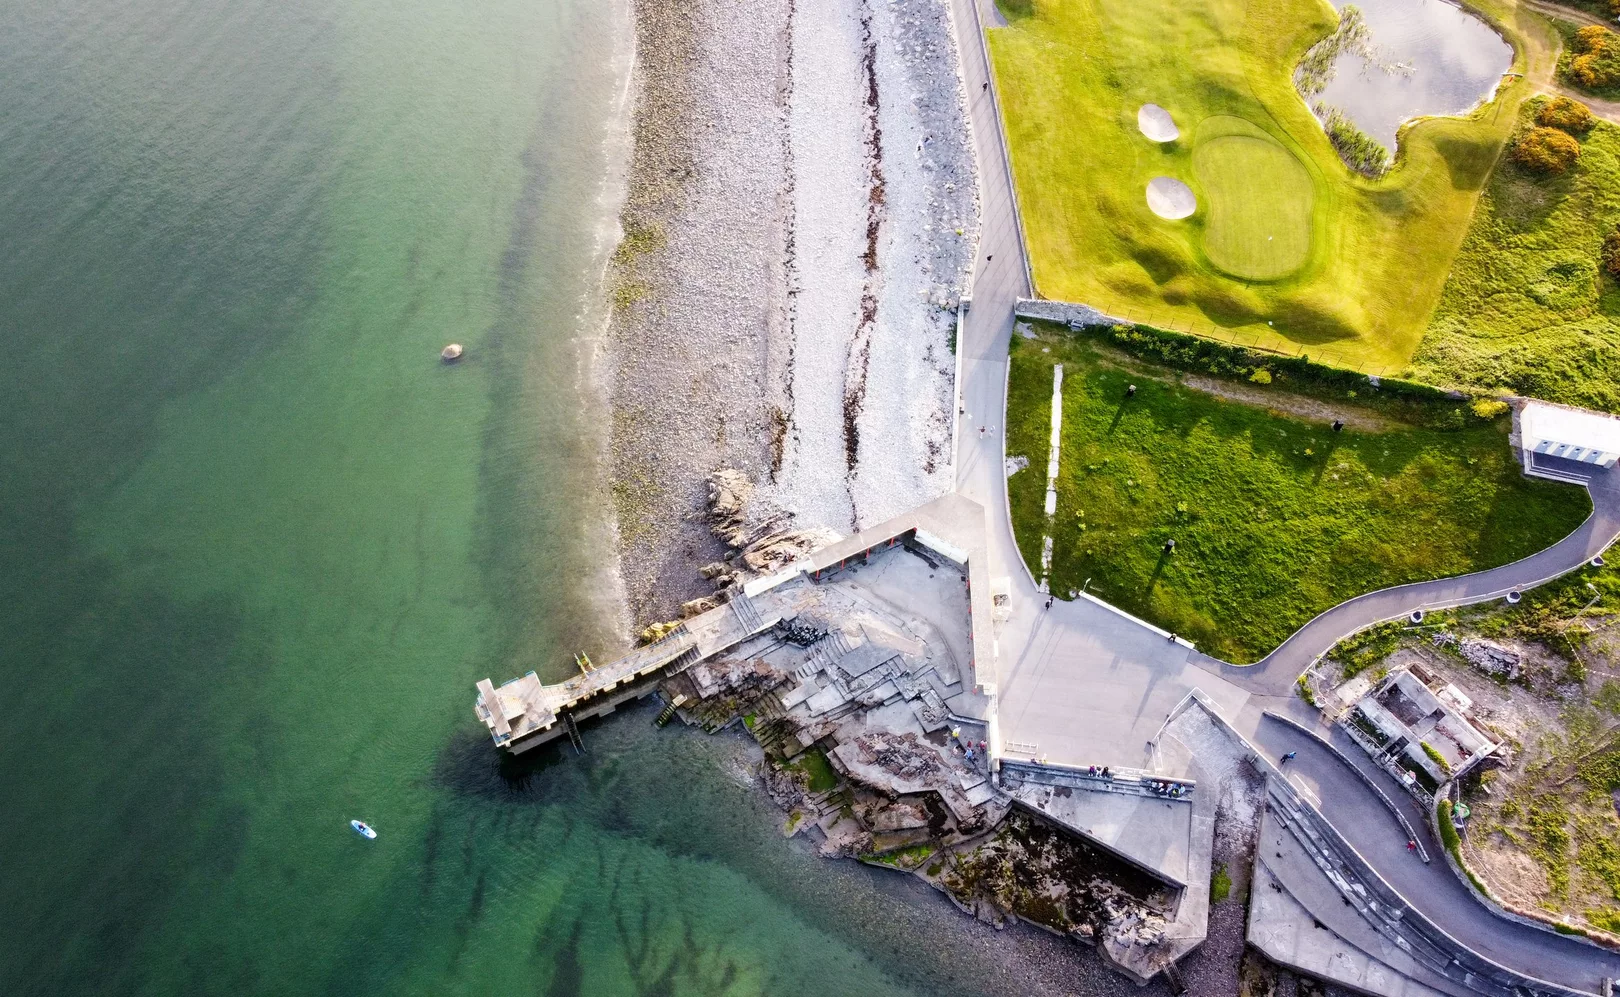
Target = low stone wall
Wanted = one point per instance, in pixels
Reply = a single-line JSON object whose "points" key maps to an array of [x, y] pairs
{"points": [[1062, 311]]}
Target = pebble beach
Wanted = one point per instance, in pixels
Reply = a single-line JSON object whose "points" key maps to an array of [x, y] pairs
{"points": [[799, 225]]}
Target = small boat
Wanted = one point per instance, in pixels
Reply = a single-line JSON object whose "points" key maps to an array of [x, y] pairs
{"points": [[363, 829], [451, 353]]}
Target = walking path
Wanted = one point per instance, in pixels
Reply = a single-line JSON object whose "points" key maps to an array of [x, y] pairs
{"points": [[1562, 12], [1433, 889], [1084, 683]]}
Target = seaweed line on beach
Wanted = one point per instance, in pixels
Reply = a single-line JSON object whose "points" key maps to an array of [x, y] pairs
{"points": [[860, 355]]}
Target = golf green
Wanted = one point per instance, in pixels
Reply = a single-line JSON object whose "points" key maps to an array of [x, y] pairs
{"points": [[1259, 198], [1289, 249]]}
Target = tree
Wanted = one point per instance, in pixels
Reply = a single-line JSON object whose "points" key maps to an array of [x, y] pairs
{"points": [[1566, 115], [1547, 151]]}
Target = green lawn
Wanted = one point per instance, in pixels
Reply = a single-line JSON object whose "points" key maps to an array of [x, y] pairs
{"points": [[1275, 518], [1527, 307], [1345, 268]]}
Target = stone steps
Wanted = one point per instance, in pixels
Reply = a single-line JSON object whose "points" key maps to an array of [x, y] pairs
{"points": [[747, 613]]}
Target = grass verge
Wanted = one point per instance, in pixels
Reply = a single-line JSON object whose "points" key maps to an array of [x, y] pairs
{"points": [[1275, 516], [1453, 843], [1220, 884]]}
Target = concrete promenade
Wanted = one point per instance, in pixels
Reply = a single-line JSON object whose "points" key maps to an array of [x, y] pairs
{"points": [[1086, 684]]}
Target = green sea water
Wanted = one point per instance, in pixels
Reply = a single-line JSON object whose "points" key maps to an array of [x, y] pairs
{"points": [[257, 543]]}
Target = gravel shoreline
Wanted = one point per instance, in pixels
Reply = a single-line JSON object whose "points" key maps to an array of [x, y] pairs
{"points": [[800, 219]]}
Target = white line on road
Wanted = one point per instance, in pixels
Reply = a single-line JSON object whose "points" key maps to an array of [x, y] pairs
{"points": [[1308, 791]]}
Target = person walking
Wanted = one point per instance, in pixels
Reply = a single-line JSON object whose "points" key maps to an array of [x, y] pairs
{"points": [[1411, 845], [1289, 757]]}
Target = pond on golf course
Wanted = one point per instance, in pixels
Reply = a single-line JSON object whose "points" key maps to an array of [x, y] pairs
{"points": [[1429, 57]]}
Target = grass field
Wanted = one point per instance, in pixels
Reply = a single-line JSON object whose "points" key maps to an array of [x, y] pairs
{"points": [[1275, 516], [1345, 268], [1527, 307]]}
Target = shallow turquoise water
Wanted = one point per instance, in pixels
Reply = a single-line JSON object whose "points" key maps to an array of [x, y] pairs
{"points": [[257, 543]]}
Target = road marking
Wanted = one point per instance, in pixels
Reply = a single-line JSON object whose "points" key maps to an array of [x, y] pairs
{"points": [[1308, 791]]}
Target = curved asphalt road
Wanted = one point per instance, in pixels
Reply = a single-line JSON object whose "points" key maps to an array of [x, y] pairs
{"points": [[1000, 277], [1433, 889], [1274, 674]]}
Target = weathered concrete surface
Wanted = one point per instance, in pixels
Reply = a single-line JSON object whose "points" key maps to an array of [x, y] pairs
{"points": [[1088, 685]]}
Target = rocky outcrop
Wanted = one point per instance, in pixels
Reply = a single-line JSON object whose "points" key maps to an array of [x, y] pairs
{"points": [[729, 676], [758, 543], [776, 551], [729, 492]]}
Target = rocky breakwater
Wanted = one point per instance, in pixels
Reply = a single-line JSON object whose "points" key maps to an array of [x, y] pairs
{"points": [[800, 221]]}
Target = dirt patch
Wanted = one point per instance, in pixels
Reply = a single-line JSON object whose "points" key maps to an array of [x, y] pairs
{"points": [[1299, 406]]}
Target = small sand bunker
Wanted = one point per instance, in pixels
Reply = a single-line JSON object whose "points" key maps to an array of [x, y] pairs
{"points": [[1168, 197], [1156, 123]]}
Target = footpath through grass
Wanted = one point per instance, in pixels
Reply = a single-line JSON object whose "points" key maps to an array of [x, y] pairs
{"points": [[1528, 306], [1345, 268], [1275, 516]]}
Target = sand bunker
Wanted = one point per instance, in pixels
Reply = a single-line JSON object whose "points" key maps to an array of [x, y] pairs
{"points": [[1156, 123], [1170, 198]]}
